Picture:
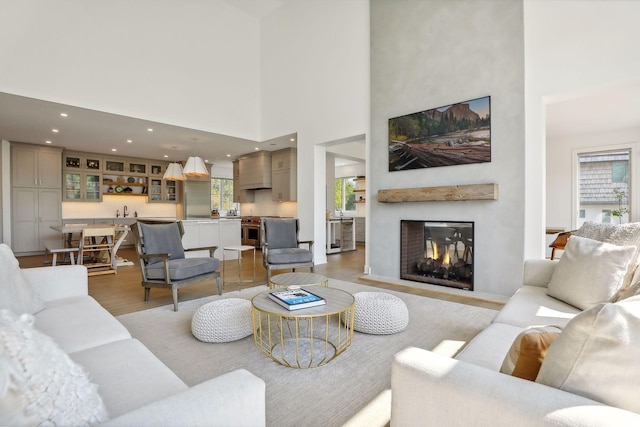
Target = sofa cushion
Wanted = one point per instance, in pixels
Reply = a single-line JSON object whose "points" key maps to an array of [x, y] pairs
{"points": [[44, 386], [162, 239], [128, 374], [590, 272], [528, 350], [488, 348], [597, 355], [76, 323], [16, 294], [281, 233], [531, 306], [185, 268]]}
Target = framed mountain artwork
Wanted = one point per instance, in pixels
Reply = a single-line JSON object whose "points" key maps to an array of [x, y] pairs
{"points": [[456, 134]]}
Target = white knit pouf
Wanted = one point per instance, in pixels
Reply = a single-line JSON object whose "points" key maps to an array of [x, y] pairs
{"points": [[224, 320], [379, 313]]}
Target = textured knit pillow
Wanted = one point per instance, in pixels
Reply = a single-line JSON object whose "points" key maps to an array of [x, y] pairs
{"points": [[589, 272], [39, 383], [597, 355], [528, 351], [16, 294], [594, 230], [626, 235]]}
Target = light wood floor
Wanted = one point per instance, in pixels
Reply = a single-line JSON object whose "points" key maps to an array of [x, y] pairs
{"points": [[121, 293]]}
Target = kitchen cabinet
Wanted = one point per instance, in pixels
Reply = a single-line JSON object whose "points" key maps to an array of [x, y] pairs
{"points": [[35, 167], [79, 161], [36, 194], [284, 175], [240, 196], [82, 187], [255, 171], [125, 166], [34, 211], [163, 191], [203, 233]]}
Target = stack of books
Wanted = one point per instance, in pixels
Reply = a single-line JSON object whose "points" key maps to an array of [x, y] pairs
{"points": [[295, 299]]}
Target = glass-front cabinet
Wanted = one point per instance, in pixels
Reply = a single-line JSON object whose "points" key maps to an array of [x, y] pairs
{"points": [[163, 191], [82, 186]]}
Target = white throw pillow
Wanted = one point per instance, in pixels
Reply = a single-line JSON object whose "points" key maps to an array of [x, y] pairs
{"points": [[627, 235], [16, 294], [597, 354], [589, 272], [39, 383]]}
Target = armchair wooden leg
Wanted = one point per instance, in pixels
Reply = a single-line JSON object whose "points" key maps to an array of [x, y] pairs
{"points": [[175, 298], [146, 294], [219, 285]]}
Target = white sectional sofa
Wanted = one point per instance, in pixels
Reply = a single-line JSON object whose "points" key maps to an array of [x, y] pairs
{"points": [[134, 385], [470, 390]]}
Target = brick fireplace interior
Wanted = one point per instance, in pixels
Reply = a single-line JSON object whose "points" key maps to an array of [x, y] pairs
{"points": [[437, 252]]}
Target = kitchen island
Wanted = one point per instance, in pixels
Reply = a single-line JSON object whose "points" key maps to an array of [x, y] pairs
{"points": [[220, 232]]}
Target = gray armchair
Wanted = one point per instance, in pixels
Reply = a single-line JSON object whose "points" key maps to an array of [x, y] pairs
{"points": [[281, 247], [163, 263]]}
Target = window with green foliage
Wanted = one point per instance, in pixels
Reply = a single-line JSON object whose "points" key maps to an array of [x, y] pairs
{"points": [[345, 195], [222, 194]]}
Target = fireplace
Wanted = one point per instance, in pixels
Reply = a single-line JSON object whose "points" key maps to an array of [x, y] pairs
{"points": [[437, 252]]}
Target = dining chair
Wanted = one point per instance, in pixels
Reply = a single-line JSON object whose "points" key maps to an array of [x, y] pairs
{"points": [[96, 250], [163, 263]]}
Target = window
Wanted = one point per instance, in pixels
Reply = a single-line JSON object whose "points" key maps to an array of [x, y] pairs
{"points": [[222, 194], [345, 195], [604, 186]]}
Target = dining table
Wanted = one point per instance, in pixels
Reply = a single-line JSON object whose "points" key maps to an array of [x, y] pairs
{"points": [[68, 230]]}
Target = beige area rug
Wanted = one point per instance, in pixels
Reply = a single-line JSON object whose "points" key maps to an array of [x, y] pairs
{"points": [[326, 396]]}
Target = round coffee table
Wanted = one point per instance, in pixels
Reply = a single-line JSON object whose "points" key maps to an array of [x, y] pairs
{"points": [[299, 279], [305, 338]]}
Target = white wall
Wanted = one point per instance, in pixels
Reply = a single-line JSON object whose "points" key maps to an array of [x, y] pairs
{"points": [[426, 55], [315, 69], [570, 46], [189, 63], [560, 155]]}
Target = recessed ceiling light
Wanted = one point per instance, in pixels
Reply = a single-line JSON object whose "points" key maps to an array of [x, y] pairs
{"points": [[228, 155], [55, 130], [206, 161], [114, 149], [292, 139], [150, 129], [48, 142], [64, 115], [166, 156], [256, 148], [129, 141]]}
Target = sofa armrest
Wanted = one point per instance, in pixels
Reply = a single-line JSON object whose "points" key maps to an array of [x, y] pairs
{"points": [[233, 399], [449, 392], [51, 283], [538, 272]]}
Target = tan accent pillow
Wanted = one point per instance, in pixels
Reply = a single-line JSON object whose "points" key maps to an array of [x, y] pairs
{"points": [[597, 354], [590, 272], [528, 351]]}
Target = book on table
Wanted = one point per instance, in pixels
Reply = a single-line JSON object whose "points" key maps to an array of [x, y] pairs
{"points": [[296, 299]]}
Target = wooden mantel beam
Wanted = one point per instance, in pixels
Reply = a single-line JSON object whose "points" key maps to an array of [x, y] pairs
{"points": [[447, 193]]}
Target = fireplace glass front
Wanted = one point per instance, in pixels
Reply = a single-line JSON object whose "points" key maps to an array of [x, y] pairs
{"points": [[437, 252]]}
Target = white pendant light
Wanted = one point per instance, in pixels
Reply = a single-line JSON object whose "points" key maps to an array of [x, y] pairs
{"points": [[174, 172], [195, 167]]}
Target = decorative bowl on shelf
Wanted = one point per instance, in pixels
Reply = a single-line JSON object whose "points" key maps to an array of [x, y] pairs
{"points": [[119, 189], [131, 180]]}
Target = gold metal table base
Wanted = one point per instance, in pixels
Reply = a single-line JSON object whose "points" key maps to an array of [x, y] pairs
{"points": [[305, 338]]}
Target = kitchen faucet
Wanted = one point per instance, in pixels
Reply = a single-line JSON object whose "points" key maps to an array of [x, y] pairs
{"points": [[124, 212], [117, 213]]}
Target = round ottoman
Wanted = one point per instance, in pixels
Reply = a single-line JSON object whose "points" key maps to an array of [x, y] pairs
{"points": [[223, 320], [379, 313]]}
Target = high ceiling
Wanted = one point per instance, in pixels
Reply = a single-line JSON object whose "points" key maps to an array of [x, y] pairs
{"points": [[30, 120]]}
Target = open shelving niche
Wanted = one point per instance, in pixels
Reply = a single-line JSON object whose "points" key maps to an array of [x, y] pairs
{"points": [[139, 186]]}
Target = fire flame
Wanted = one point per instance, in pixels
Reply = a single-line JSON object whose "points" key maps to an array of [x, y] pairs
{"points": [[436, 255], [446, 260]]}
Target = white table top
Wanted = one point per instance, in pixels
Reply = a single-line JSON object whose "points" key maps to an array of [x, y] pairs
{"points": [[239, 248]]}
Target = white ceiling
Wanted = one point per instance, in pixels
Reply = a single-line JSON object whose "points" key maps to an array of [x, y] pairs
{"points": [[30, 120], [601, 109]]}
